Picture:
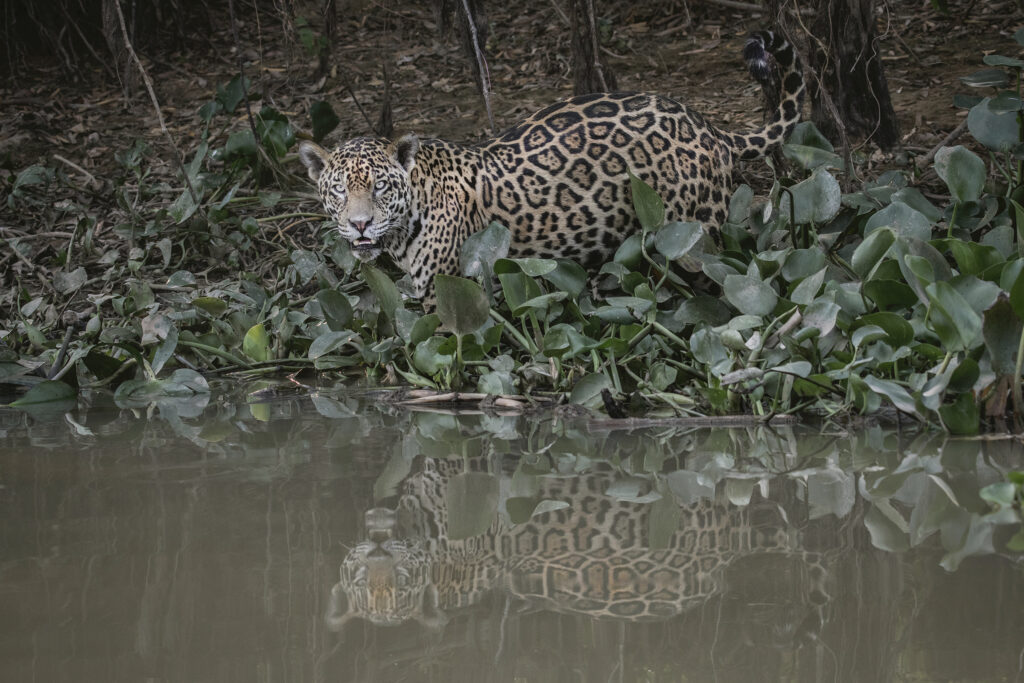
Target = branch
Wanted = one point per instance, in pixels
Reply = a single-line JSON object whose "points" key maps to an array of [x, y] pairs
{"points": [[159, 114], [485, 79]]}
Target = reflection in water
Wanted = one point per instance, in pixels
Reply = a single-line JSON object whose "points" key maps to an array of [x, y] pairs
{"points": [[175, 544]]}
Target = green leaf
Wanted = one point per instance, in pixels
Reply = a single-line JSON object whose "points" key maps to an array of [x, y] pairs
{"points": [[231, 95], [165, 350], [482, 249], [750, 295], [1002, 330], [1017, 295], [1005, 103], [185, 205], [66, 283], [971, 258], [675, 240], [902, 219], [807, 134], [538, 303], [963, 172], [47, 391], [518, 287], [800, 368], [871, 251], [462, 305], [423, 328], [210, 304], [328, 342], [898, 331], [805, 292], [816, 200], [996, 131], [999, 60], [534, 267], [472, 499], [962, 416], [951, 317], [324, 119], [428, 359], [306, 264], [256, 344], [809, 158], [388, 298], [336, 309], [630, 251], [568, 276], [242, 144], [987, 78], [1001, 494], [897, 394], [588, 389], [650, 209]]}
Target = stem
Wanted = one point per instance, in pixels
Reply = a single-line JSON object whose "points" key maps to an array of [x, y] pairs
{"points": [[665, 332], [217, 352], [518, 336], [1018, 394]]}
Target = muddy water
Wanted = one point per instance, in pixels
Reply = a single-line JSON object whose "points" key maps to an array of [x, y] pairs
{"points": [[223, 542]]}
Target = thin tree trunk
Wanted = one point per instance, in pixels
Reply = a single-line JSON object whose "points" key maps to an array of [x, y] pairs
{"points": [[590, 71], [847, 84]]}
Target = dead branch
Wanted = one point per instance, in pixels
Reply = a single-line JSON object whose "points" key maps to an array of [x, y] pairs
{"points": [[159, 114]]}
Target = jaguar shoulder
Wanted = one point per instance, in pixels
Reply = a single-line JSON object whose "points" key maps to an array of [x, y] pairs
{"points": [[558, 180]]}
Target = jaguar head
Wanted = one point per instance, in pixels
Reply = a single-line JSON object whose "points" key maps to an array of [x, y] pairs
{"points": [[364, 185], [385, 580]]}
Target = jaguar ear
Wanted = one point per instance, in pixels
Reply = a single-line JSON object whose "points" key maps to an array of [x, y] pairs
{"points": [[337, 609], [314, 157], [405, 149], [431, 615]]}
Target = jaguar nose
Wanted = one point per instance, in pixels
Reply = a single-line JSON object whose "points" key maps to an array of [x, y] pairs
{"points": [[378, 551], [359, 225]]}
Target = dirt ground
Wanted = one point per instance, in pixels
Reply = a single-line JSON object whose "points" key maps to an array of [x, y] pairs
{"points": [[687, 50]]}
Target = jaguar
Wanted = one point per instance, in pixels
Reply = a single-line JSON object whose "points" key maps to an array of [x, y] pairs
{"points": [[559, 180], [592, 555]]}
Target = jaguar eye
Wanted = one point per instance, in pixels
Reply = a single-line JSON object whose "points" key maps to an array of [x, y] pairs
{"points": [[380, 186]]}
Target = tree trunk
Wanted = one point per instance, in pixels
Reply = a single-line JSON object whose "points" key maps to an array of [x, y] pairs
{"points": [[847, 85], [590, 72]]}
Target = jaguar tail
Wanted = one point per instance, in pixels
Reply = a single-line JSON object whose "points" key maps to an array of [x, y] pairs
{"points": [[762, 52]]}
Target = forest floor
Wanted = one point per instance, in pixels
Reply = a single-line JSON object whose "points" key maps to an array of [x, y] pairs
{"points": [[690, 54], [80, 127]]}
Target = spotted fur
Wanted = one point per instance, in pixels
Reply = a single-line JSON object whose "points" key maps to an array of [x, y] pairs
{"points": [[558, 179]]}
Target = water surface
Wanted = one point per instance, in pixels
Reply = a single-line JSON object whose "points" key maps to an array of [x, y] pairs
{"points": [[225, 541]]}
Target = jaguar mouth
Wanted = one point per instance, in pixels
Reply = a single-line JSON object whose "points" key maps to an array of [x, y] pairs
{"points": [[364, 244]]}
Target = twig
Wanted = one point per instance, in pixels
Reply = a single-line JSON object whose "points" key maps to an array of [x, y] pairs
{"points": [[734, 4], [241, 74], [481, 63], [88, 176], [708, 421], [561, 13], [352, 94], [61, 354], [159, 114], [956, 132], [588, 7]]}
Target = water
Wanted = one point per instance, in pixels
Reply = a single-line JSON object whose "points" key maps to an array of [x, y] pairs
{"points": [[202, 542]]}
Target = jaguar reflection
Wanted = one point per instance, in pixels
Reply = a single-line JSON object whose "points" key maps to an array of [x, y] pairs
{"points": [[639, 557]]}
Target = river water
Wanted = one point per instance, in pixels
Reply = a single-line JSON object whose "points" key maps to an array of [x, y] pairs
{"points": [[340, 538]]}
